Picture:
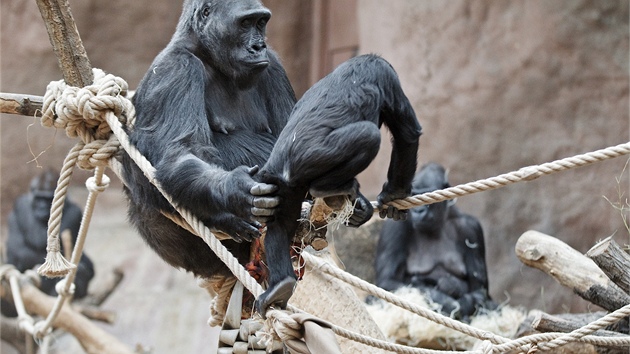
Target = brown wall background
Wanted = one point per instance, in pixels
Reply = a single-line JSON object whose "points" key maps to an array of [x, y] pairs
{"points": [[496, 86], [502, 85]]}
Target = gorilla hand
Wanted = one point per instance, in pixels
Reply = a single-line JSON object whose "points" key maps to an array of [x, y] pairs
{"points": [[248, 204], [387, 196], [363, 212]]}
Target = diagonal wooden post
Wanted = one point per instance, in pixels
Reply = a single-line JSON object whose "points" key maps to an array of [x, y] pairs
{"points": [[66, 42]]}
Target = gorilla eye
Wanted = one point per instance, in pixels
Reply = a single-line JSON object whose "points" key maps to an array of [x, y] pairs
{"points": [[205, 12]]}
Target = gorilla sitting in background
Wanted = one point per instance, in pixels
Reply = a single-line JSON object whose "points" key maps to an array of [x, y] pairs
{"points": [[438, 250], [28, 230]]}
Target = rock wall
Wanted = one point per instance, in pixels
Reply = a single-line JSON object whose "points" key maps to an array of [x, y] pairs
{"points": [[502, 85]]}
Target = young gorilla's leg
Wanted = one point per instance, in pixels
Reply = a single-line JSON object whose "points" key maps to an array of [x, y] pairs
{"points": [[349, 150], [355, 146]]}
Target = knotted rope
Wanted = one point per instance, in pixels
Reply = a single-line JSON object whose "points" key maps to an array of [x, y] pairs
{"points": [[80, 112]]}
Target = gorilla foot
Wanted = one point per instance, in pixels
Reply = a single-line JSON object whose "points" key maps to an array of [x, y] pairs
{"points": [[277, 295]]}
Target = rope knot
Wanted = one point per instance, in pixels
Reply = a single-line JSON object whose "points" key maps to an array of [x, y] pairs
{"points": [[279, 325], [60, 288], [81, 112], [95, 187]]}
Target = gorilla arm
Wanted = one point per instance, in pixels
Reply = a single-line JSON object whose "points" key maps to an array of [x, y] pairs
{"points": [[473, 248], [186, 161]]}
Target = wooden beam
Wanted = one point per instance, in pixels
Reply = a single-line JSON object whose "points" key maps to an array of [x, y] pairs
{"points": [[66, 42]]}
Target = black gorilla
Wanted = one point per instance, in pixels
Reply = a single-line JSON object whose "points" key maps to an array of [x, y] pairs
{"points": [[438, 250], [28, 224], [332, 135], [213, 102]]}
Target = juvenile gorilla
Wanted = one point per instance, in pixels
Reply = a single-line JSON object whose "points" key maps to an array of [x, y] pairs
{"points": [[212, 103], [28, 234], [332, 135], [438, 250]]}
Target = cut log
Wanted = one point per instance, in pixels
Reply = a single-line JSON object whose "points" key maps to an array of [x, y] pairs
{"points": [[570, 268], [613, 261], [544, 322]]}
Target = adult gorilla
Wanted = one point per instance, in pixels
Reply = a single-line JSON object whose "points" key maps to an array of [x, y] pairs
{"points": [[212, 106], [212, 103], [438, 250], [28, 233]]}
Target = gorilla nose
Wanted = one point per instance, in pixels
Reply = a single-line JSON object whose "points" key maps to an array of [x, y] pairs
{"points": [[260, 46]]}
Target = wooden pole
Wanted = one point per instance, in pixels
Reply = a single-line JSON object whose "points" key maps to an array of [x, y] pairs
{"points": [[66, 42]]}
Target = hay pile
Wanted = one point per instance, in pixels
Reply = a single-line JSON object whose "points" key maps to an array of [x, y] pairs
{"points": [[404, 327]]}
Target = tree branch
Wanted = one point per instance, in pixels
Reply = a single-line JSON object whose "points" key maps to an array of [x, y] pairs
{"points": [[66, 42], [26, 105], [613, 260]]}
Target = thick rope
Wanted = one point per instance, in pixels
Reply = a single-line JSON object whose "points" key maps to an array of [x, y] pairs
{"points": [[80, 112], [98, 114], [524, 174], [327, 268], [497, 344]]}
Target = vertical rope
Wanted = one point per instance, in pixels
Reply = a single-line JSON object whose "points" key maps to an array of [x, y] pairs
{"points": [[56, 265]]}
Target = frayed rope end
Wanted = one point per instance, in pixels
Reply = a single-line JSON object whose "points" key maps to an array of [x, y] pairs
{"points": [[56, 266]]}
